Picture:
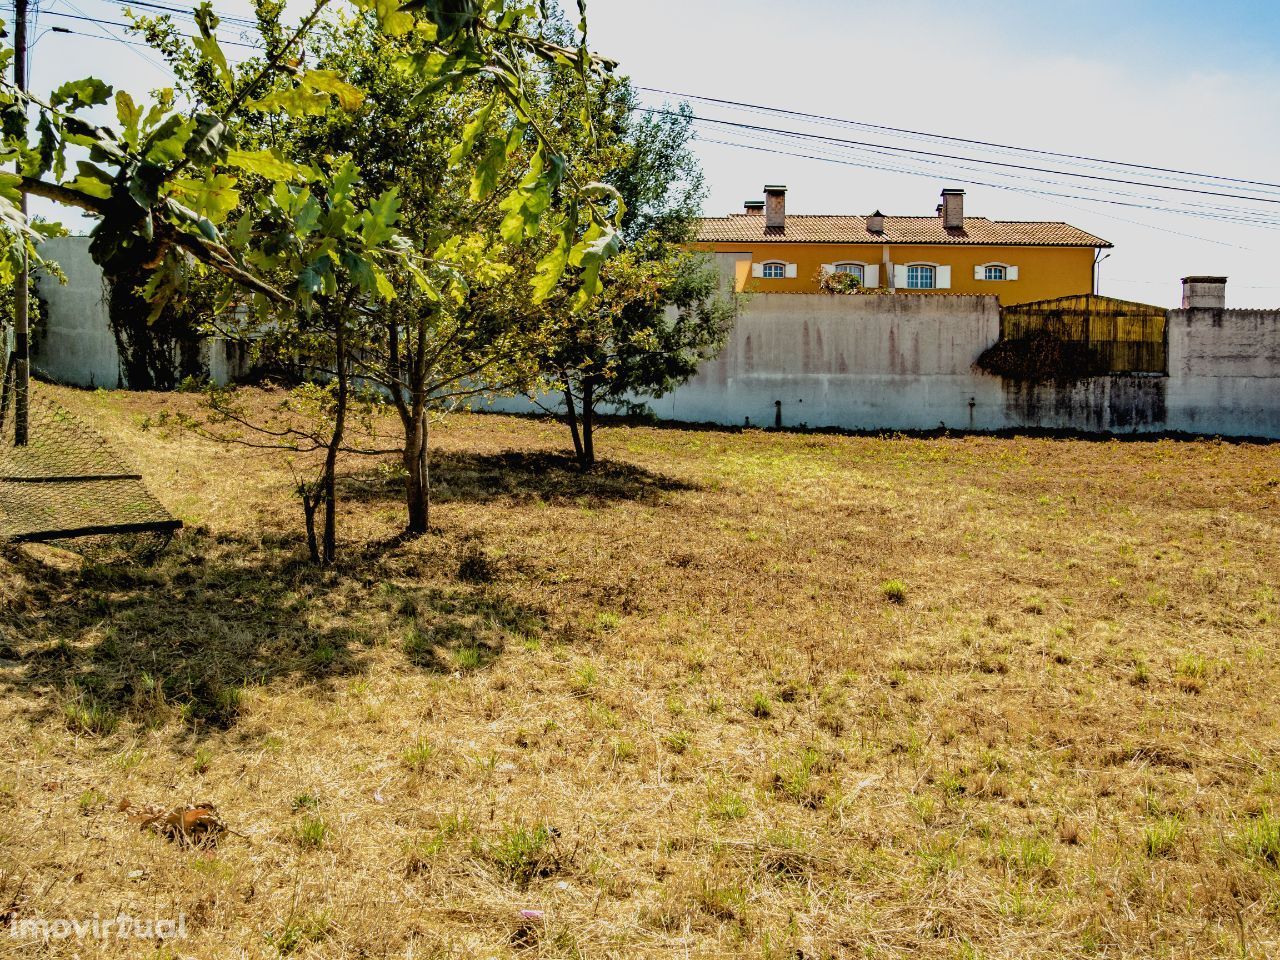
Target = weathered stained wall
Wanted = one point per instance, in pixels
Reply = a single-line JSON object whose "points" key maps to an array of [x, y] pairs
{"points": [[1126, 337], [75, 344], [900, 361], [905, 362], [1224, 372]]}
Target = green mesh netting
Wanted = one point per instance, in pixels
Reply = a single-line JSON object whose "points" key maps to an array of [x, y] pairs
{"points": [[67, 482]]}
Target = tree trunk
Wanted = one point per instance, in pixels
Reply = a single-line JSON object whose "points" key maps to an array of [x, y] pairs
{"points": [[329, 548], [588, 458], [571, 417], [418, 477], [309, 503]]}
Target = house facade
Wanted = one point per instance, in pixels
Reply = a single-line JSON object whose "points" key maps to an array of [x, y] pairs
{"points": [[1015, 261]]}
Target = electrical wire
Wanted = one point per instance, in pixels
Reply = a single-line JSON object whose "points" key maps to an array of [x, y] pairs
{"points": [[127, 26], [965, 140], [1235, 212], [947, 156]]}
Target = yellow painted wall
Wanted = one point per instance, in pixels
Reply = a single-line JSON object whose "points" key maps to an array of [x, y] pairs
{"points": [[1044, 273]]}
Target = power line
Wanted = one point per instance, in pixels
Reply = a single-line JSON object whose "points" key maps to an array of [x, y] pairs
{"points": [[998, 186], [129, 26], [947, 156], [940, 136], [164, 8], [1245, 213]]}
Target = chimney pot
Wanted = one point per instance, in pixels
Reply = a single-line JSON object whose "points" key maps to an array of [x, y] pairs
{"points": [[775, 207], [875, 222], [1204, 293], [753, 207], [952, 209]]}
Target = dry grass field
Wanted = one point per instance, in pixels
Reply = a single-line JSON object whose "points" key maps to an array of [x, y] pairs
{"points": [[739, 695]]}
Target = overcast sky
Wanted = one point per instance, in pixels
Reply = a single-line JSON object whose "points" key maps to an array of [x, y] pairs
{"points": [[1168, 83]]}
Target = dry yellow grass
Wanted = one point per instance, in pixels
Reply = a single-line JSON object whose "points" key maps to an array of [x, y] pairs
{"points": [[741, 695]]}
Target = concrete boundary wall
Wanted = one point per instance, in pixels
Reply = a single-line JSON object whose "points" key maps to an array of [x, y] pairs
{"points": [[905, 362]]}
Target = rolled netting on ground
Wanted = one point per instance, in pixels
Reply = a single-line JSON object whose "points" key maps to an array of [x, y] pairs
{"points": [[67, 482]]}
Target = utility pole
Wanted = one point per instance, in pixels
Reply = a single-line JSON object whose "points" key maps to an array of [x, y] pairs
{"points": [[21, 326]]}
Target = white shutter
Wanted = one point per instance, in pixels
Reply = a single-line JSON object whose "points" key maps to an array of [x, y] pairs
{"points": [[1011, 273], [828, 268], [979, 272], [757, 269], [791, 271], [871, 276], [899, 276], [944, 278]]}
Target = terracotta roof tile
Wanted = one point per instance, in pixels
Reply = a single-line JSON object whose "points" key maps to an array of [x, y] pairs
{"points": [[750, 228]]}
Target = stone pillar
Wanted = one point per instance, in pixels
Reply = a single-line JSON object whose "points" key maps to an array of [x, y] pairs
{"points": [[1204, 293]]}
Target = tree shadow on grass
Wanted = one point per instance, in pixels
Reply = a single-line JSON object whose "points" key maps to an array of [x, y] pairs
{"points": [[108, 640], [458, 476]]}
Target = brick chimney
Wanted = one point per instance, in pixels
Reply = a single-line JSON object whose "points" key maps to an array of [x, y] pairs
{"points": [[775, 207], [953, 209], [753, 207], [1204, 293], [875, 222]]}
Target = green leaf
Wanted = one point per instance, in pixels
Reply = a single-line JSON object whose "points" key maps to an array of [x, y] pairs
{"points": [[295, 101], [378, 222], [496, 156], [166, 142], [591, 256], [552, 266], [205, 140], [130, 116], [207, 43], [92, 180], [479, 120], [268, 163], [74, 94], [392, 20], [327, 81], [213, 197], [344, 180]]}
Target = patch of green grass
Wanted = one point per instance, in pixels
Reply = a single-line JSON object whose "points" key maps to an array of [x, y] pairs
{"points": [[418, 756], [678, 741], [585, 679], [1029, 856], [895, 591], [86, 716], [728, 806], [1260, 839], [469, 657], [760, 706], [522, 854], [311, 833], [299, 931], [798, 778], [201, 759], [1161, 838], [305, 801]]}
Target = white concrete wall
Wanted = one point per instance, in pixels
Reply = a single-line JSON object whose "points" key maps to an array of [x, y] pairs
{"points": [[905, 362], [864, 362], [1224, 372], [75, 345]]}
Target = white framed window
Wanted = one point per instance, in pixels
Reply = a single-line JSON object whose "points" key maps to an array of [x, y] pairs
{"points": [[921, 276], [995, 271], [854, 269], [773, 270]]}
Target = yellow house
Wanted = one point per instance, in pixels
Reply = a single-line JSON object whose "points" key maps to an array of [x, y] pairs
{"points": [[1018, 262]]}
